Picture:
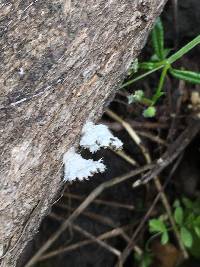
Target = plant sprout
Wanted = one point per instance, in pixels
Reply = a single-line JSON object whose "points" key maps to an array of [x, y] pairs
{"points": [[161, 61]]}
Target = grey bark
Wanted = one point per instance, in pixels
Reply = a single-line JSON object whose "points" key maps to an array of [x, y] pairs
{"points": [[61, 60]]}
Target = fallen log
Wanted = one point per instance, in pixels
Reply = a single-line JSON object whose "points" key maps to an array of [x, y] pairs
{"points": [[61, 63]]}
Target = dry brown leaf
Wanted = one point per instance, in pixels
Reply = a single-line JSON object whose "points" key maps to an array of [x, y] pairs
{"points": [[165, 255]]}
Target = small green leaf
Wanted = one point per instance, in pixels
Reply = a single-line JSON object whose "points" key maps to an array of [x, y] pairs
{"points": [[157, 225], [186, 237], [164, 238], [189, 76], [150, 112], [158, 39], [178, 215]]}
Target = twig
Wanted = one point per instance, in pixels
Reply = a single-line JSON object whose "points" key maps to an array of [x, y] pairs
{"points": [[156, 179], [152, 137], [101, 219], [172, 152], [125, 156], [131, 132], [127, 250], [137, 125], [116, 126], [94, 194], [114, 251], [112, 224], [110, 234], [101, 202], [174, 123]]}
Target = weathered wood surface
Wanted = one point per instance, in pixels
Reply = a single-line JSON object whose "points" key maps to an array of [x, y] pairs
{"points": [[60, 61]]}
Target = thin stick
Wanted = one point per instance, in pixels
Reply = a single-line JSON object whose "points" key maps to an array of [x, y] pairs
{"points": [[137, 125], [127, 250], [131, 132], [94, 194], [114, 251], [101, 202], [152, 137], [110, 234], [125, 156], [156, 179], [88, 235], [99, 218], [173, 151], [117, 127]]}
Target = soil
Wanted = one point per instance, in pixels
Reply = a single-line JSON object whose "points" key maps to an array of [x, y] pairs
{"points": [[101, 218]]}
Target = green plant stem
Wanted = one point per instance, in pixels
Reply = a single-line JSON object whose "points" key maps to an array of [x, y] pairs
{"points": [[184, 50], [146, 101], [161, 84], [167, 62], [142, 76]]}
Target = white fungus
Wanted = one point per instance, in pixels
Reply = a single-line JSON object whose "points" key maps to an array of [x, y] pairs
{"points": [[93, 138], [76, 167], [96, 136]]}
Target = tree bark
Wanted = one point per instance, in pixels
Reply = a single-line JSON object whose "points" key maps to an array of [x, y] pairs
{"points": [[61, 61]]}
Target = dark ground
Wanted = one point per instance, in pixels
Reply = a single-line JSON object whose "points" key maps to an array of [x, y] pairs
{"points": [[101, 218]]}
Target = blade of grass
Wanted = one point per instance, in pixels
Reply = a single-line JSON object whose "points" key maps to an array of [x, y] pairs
{"points": [[184, 50], [186, 75], [160, 85], [158, 39], [142, 76], [166, 62]]}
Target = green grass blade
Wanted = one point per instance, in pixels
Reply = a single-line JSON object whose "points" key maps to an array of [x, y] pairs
{"points": [[184, 50], [159, 92], [141, 76], [189, 76], [158, 39]]}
